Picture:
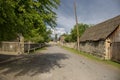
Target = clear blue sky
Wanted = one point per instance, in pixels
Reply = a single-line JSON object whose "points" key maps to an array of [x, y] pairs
{"points": [[88, 11]]}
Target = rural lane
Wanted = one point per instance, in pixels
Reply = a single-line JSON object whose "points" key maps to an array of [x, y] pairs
{"points": [[55, 63]]}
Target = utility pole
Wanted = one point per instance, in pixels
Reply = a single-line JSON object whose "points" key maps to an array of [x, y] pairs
{"points": [[78, 40]]}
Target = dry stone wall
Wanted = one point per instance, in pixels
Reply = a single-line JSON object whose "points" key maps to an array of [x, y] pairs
{"points": [[96, 48]]}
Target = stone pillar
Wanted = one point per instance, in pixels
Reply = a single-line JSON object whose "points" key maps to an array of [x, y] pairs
{"points": [[107, 49], [21, 43]]}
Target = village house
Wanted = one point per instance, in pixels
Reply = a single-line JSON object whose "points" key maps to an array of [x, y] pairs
{"points": [[62, 39], [103, 39]]}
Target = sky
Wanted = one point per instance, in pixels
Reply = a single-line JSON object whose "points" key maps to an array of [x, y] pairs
{"points": [[88, 12]]}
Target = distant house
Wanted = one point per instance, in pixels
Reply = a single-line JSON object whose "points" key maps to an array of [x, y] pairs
{"points": [[62, 38], [103, 39]]}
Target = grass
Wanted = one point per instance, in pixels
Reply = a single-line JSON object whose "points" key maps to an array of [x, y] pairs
{"points": [[37, 50], [89, 56], [40, 49]]}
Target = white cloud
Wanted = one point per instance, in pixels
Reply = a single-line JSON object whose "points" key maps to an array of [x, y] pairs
{"points": [[58, 31], [89, 12], [66, 22]]}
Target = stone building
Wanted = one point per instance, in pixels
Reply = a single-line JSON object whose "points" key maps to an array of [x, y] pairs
{"points": [[103, 39]]}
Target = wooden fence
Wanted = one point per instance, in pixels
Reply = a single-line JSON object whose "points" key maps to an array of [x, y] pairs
{"points": [[18, 47], [32, 46]]}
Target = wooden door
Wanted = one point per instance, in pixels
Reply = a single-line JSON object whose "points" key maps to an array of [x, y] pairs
{"points": [[115, 51]]}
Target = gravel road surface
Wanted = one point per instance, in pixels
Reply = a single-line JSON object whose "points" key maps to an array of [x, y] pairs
{"points": [[54, 63]]}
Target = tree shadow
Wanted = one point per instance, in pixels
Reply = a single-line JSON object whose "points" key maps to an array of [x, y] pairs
{"points": [[32, 64], [6, 58]]}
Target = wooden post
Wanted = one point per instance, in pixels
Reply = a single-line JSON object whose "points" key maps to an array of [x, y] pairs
{"points": [[78, 47], [29, 47]]}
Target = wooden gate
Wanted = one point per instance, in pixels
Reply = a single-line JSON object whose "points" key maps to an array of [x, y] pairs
{"points": [[115, 51]]}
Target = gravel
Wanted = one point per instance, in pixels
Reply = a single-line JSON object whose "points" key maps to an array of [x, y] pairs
{"points": [[55, 63]]}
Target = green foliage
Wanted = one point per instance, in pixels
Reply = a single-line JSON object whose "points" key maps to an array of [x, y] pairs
{"points": [[29, 17], [34, 36], [56, 37], [67, 37], [72, 37], [81, 29], [39, 35]]}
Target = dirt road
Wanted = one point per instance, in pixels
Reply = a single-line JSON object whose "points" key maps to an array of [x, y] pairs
{"points": [[55, 63]]}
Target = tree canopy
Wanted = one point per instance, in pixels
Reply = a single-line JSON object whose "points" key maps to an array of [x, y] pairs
{"points": [[29, 17], [72, 37]]}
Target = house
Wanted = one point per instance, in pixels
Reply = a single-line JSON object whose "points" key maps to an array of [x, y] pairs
{"points": [[62, 39], [103, 39]]}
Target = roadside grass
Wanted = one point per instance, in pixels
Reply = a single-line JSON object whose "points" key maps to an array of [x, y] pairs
{"points": [[92, 57], [40, 49], [37, 50]]}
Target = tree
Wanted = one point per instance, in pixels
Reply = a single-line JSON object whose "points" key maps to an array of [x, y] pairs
{"points": [[27, 17], [67, 37], [56, 37], [72, 37], [81, 28]]}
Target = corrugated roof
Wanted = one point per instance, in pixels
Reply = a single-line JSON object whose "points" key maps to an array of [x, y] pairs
{"points": [[101, 31]]}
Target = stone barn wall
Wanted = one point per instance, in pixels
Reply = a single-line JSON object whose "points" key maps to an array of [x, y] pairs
{"points": [[96, 48], [71, 45]]}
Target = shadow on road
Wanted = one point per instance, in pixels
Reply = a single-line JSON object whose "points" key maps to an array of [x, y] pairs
{"points": [[6, 58], [32, 64]]}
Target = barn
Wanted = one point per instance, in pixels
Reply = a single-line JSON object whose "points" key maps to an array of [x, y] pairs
{"points": [[103, 39]]}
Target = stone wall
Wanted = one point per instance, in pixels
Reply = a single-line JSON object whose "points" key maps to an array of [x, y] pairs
{"points": [[9, 47], [96, 48], [70, 45], [15, 48]]}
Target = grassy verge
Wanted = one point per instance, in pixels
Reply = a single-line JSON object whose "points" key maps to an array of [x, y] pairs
{"points": [[92, 57], [37, 50], [43, 48]]}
